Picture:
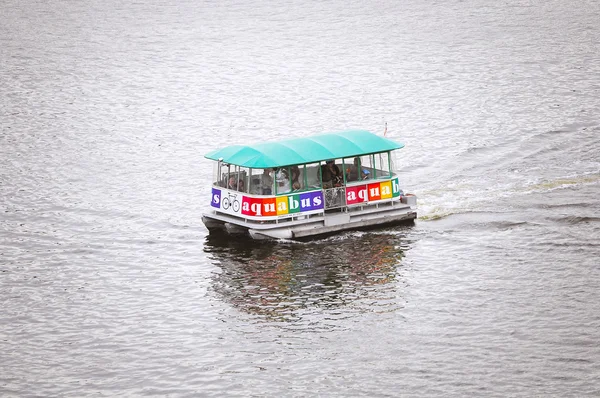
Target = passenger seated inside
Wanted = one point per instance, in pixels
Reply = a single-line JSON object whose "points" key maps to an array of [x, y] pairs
{"points": [[255, 188], [296, 185], [352, 171], [232, 183], [283, 180], [331, 175], [240, 186], [266, 182]]}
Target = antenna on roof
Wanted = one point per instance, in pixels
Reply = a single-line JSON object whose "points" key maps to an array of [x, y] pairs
{"points": [[385, 131]]}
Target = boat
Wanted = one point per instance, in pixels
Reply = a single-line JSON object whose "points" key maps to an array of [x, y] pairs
{"points": [[301, 188]]}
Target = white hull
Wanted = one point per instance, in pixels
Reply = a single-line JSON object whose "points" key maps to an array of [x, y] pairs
{"points": [[359, 217]]}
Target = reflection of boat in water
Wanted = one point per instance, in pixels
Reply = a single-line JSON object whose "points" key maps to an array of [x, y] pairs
{"points": [[302, 187], [288, 281]]}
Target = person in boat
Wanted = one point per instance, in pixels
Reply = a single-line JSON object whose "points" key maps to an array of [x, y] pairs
{"points": [[331, 175], [232, 184], [352, 170], [240, 186], [296, 185], [266, 182], [283, 180]]}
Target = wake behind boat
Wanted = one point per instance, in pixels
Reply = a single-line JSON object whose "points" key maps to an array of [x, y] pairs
{"points": [[304, 187]]}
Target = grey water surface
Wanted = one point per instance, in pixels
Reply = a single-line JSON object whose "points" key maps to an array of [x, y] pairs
{"points": [[111, 286]]}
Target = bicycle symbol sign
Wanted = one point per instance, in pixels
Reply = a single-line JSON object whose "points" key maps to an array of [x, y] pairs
{"points": [[230, 201]]}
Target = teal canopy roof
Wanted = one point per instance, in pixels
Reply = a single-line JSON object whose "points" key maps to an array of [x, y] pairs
{"points": [[311, 149]]}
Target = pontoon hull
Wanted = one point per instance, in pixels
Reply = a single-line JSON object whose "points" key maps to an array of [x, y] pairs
{"points": [[384, 214]]}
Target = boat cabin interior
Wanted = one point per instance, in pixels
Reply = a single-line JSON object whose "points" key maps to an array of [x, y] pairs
{"points": [[304, 177]]}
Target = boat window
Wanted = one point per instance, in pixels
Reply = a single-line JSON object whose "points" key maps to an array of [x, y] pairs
{"points": [[233, 177], [353, 169], [393, 162], [331, 173], [225, 171], [377, 165], [382, 165], [297, 177], [282, 180], [347, 169], [365, 170], [262, 181], [254, 181], [217, 174], [243, 179], [312, 176]]}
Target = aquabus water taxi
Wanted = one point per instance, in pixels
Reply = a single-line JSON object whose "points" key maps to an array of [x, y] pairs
{"points": [[304, 187]]}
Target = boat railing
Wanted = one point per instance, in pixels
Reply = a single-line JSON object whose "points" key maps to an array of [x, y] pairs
{"points": [[334, 197]]}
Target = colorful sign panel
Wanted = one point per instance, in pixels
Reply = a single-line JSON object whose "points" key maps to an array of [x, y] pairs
{"points": [[237, 203], [372, 192]]}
